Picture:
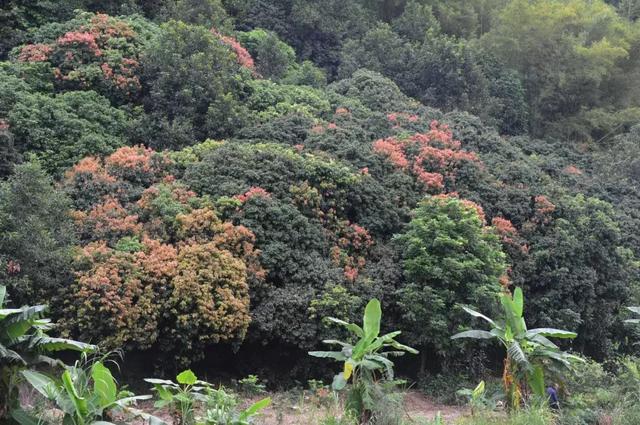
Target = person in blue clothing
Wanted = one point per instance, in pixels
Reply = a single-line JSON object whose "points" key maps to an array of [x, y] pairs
{"points": [[552, 393]]}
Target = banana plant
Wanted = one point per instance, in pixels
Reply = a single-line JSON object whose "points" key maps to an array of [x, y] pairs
{"points": [[86, 395], [222, 409], [181, 396], [635, 310], [24, 343], [367, 359], [529, 352]]}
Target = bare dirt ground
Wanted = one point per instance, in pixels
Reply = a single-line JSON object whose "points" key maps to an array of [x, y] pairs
{"points": [[417, 407], [293, 408]]}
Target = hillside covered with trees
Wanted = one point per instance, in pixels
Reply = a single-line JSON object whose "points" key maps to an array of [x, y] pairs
{"points": [[201, 183]]}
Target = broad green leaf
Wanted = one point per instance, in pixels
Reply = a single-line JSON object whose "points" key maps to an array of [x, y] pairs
{"points": [[338, 355], [372, 317], [159, 381], [164, 393], [518, 302], [478, 391], [24, 418], [536, 380], [3, 294], [339, 382], [79, 402], [8, 311], [390, 336], [104, 386], [516, 354], [498, 333], [41, 383], [634, 309], [187, 377], [255, 408], [11, 357], [371, 364], [550, 332], [398, 346], [632, 321], [351, 326], [480, 315], [388, 364], [542, 340], [336, 342], [58, 344], [508, 334], [476, 334], [126, 401]]}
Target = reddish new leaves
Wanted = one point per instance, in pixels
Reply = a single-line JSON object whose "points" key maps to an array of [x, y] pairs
{"points": [[152, 246], [106, 43], [353, 244], [242, 55], [254, 191], [431, 157], [35, 53]]}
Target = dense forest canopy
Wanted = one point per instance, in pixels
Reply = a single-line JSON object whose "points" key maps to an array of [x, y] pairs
{"points": [[190, 174]]}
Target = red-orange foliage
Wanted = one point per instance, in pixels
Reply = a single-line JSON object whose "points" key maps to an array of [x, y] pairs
{"points": [[209, 300], [108, 220], [115, 298], [157, 248], [573, 170], [438, 155], [35, 53], [242, 55], [353, 243], [543, 209], [504, 227], [106, 42], [253, 191]]}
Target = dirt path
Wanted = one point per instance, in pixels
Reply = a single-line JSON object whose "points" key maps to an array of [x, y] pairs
{"points": [[417, 407]]}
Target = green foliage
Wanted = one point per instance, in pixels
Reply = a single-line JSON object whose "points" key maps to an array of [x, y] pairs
{"points": [[365, 360], [274, 58], [194, 83], [60, 130], [24, 343], [222, 409], [477, 398], [529, 416], [188, 393], [529, 352], [17, 17], [293, 216], [36, 235], [87, 393], [450, 259], [207, 13], [635, 310], [269, 100], [251, 385], [559, 49], [181, 396], [586, 235]]}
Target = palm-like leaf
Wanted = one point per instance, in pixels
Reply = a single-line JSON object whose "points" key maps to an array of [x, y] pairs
{"points": [[24, 342], [475, 334], [528, 351], [635, 310], [370, 353]]}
